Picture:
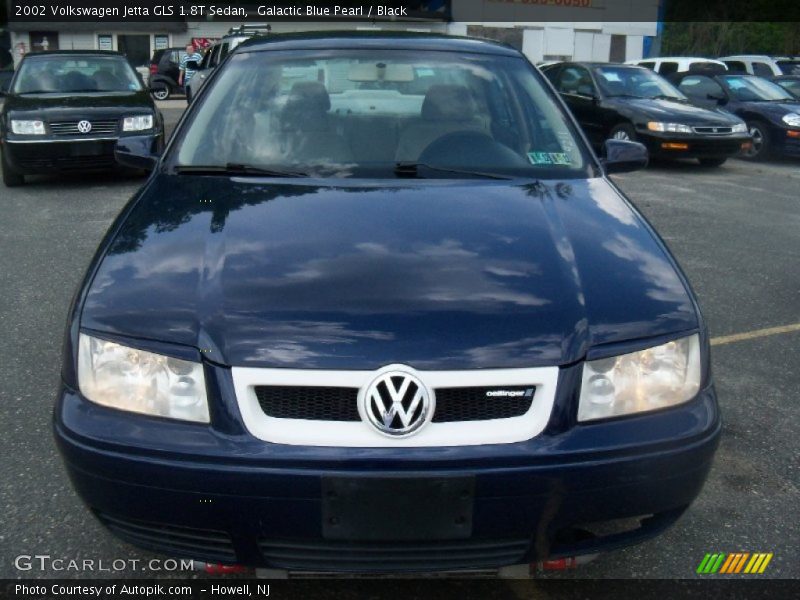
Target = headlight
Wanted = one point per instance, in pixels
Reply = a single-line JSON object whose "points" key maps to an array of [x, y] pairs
{"points": [[669, 127], [140, 123], [120, 377], [658, 377], [740, 128], [27, 127], [792, 119]]}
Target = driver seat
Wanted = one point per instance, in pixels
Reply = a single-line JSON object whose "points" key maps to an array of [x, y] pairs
{"points": [[446, 109]]}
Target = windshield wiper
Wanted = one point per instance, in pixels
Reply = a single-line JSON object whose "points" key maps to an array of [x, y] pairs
{"points": [[411, 170], [237, 169], [673, 98]]}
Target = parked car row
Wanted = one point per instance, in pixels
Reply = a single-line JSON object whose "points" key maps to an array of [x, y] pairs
{"points": [[763, 66], [706, 112]]}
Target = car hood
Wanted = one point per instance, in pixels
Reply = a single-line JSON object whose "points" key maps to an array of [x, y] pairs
{"points": [[772, 110], [430, 274], [112, 102], [676, 112]]}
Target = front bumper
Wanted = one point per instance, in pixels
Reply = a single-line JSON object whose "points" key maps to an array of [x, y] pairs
{"points": [[224, 496], [35, 156], [693, 146]]}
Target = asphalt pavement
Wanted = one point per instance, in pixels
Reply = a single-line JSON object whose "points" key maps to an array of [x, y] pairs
{"points": [[735, 230]]}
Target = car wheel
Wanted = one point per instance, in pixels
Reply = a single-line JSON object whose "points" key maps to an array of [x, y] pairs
{"points": [[161, 93], [760, 147], [624, 132], [11, 178], [712, 162]]}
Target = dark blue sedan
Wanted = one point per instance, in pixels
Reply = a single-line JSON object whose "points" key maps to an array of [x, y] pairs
{"points": [[379, 309]]}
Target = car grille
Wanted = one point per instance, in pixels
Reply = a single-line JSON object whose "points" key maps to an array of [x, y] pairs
{"points": [[341, 404], [473, 404], [186, 542], [310, 403], [714, 130], [67, 163], [377, 557], [99, 127]]}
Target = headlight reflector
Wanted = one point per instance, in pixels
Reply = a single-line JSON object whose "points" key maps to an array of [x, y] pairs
{"points": [[27, 127], [134, 380], [792, 119], [658, 377], [669, 127], [140, 123], [740, 128]]}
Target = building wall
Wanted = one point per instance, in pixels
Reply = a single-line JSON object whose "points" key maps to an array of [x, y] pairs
{"points": [[538, 41]]}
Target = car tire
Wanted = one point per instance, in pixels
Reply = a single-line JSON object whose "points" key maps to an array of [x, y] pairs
{"points": [[712, 162], [624, 132], [161, 92], [11, 178], [760, 148]]}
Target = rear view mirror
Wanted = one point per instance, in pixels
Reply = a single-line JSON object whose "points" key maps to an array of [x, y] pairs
{"points": [[192, 65], [137, 152], [623, 156]]}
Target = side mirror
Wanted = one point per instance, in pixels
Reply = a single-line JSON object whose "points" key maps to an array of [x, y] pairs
{"points": [[721, 100], [192, 65], [137, 152], [587, 90], [623, 156]]}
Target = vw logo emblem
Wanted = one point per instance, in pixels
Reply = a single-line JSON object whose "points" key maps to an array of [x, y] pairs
{"points": [[84, 126], [397, 403]]}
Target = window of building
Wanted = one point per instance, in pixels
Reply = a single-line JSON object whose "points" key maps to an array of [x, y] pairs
{"points": [[42, 41], [618, 51], [161, 42], [105, 42]]}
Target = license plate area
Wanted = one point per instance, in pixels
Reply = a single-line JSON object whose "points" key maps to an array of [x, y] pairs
{"points": [[397, 508]]}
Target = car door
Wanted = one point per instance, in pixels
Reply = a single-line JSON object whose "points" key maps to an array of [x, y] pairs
{"points": [[576, 87]]}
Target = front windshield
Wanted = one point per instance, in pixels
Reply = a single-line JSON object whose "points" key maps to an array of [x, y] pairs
{"points": [[755, 89], [636, 82], [70, 74], [368, 113]]}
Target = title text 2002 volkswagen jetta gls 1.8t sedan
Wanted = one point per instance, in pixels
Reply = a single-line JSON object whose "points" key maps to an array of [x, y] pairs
{"points": [[378, 308]]}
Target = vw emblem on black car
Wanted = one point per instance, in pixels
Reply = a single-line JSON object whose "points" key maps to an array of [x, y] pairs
{"points": [[397, 403], [84, 126]]}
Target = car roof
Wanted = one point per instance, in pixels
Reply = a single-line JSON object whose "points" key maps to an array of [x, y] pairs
{"points": [[595, 64], [747, 57], [329, 40], [675, 59]]}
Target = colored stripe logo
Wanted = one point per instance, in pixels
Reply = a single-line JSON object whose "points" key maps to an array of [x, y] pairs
{"points": [[734, 563]]}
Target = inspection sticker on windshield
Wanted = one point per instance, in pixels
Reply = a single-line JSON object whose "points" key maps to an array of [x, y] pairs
{"points": [[549, 158]]}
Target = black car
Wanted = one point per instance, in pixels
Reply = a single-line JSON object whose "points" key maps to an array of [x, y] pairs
{"points": [[65, 110], [628, 102], [165, 68], [771, 112], [379, 308], [791, 83]]}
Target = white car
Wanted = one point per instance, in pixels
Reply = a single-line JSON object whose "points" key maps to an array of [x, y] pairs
{"points": [[667, 65], [762, 65]]}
